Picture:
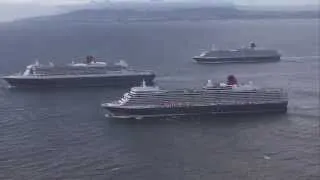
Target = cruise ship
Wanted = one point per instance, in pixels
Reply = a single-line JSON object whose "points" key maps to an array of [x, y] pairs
{"points": [[88, 73], [241, 55], [213, 99]]}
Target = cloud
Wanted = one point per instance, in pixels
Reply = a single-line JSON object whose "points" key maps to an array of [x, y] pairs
{"points": [[277, 2], [243, 2], [44, 2]]}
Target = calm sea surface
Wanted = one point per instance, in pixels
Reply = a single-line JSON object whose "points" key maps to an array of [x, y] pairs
{"points": [[63, 134]]}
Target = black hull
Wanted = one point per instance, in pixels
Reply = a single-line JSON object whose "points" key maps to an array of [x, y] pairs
{"points": [[127, 112], [237, 60], [114, 81]]}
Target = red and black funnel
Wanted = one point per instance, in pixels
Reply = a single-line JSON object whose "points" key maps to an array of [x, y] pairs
{"points": [[232, 80]]}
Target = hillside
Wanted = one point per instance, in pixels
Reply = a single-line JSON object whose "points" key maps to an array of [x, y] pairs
{"points": [[169, 14]]}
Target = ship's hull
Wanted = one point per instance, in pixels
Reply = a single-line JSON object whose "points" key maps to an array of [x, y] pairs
{"points": [[134, 112], [199, 59], [89, 81]]}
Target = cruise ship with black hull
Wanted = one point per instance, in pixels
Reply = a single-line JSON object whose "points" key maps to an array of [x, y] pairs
{"points": [[242, 55], [219, 99], [88, 74]]}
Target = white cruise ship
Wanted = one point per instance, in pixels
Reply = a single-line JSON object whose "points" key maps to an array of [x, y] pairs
{"points": [[88, 73], [241, 55], [218, 99]]}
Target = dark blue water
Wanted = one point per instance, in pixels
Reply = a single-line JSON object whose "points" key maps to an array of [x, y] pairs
{"points": [[63, 134]]}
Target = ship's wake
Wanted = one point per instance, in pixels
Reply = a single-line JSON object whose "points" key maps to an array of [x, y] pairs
{"points": [[300, 58]]}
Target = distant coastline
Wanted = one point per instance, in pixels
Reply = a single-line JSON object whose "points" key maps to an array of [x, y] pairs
{"points": [[173, 14], [210, 13]]}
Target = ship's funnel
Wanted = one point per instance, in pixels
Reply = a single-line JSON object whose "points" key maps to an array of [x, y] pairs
{"points": [[252, 45], [122, 63], [232, 80]]}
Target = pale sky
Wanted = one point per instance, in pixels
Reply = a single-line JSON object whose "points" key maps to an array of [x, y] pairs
{"points": [[247, 2], [43, 1]]}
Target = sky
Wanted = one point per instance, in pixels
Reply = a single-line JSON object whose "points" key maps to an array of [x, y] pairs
{"points": [[43, 2], [242, 2]]}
